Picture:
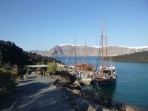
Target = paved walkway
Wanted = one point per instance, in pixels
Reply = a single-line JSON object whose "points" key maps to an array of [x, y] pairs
{"points": [[35, 94]]}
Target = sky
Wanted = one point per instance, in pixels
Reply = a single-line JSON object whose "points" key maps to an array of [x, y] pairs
{"points": [[43, 24]]}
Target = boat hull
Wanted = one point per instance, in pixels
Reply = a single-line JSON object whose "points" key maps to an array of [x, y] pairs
{"points": [[105, 81]]}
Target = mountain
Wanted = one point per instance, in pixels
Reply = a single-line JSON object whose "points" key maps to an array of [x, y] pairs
{"points": [[69, 50], [41, 52], [134, 57]]}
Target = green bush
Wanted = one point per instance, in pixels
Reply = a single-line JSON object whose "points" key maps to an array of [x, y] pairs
{"points": [[7, 81], [59, 68], [51, 69]]}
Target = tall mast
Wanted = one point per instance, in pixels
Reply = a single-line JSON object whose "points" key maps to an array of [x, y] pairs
{"points": [[75, 53], [102, 55], [106, 44], [85, 53]]}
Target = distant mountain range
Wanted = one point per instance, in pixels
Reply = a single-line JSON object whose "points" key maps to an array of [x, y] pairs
{"points": [[69, 50]]}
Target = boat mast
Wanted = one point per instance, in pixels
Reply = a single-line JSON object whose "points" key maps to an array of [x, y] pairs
{"points": [[85, 53], [106, 45], [75, 53], [102, 55]]}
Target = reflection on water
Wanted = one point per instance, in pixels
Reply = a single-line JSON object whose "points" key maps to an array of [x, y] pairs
{"points": [[109, 90], [102, 95]]}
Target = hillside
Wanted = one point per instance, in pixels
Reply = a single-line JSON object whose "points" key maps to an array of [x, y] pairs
{"points": [[69, 50], [12, 55], [12, 64], [135, 57]]}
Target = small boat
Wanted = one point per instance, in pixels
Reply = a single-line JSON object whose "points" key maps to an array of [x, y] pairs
{"points": [[106, 73], [85, 71], [85, 78]]}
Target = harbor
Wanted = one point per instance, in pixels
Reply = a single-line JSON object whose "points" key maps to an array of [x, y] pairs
{"points": [[128, 82]]}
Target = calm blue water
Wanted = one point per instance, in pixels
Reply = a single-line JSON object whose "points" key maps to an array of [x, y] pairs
{"points": [[132, 82]]}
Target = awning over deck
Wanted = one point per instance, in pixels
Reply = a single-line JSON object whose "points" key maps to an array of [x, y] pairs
{"points": [[36, 66]]}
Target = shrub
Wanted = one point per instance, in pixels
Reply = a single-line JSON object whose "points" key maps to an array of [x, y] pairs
{"points": [[59, 68], [52, 68], [7, 81]]}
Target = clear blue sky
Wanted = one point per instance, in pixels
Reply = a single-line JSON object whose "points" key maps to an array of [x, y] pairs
{"points": [[42, 24]]}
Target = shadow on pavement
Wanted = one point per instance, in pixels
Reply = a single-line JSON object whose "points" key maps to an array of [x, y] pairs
{"points": [[21, 92], [52, 100], [23, 81]]}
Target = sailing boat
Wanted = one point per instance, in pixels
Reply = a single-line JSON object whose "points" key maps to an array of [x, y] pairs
{"points": [[106, 73], [85, 71]]}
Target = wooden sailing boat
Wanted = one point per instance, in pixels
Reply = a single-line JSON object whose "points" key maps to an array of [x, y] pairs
{"points": [[85, 70], [106, 73]]}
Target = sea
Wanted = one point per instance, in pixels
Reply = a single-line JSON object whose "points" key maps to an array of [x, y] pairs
{"points": [[131, 87]]}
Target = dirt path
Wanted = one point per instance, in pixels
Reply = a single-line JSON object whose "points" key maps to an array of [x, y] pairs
{"points": [[35, 94]]}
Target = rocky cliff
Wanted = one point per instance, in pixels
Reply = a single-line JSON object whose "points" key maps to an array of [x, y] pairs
{"points": [[69, 50]]}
